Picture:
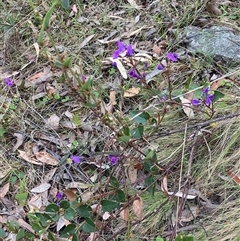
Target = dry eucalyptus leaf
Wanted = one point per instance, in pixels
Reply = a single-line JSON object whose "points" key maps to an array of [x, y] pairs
{"points": [[53, 122], [212, 8], [48, 177], [157, 50], [36, 46], [35, 203], [68, 124], [132, 173], [177, 194], [124, 214], [4, 172], [79, 185], [61, 223], [25, 225], [46, 158], [189, 215], [131, 92], [187, 107], [106, 107], [120, 67], [29, 159], [4, 190], [71, 195], [106, 216], [41, 188], [112, 97], [133, 4], [20, 139], [138, 207], [86, 40]]}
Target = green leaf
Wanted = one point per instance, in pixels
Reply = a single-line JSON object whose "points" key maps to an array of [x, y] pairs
{"points": [[13, 225], [75, 237], [121, 197], [69, 214], [37, 227], [151, 155], [87, 85], [124, 138], [20, 234], [114, 182], [88, 226], [137, 132], [150, 181], [52, 208], [89, 105], [84, 210], [108, 206], [64, 204], [67, 63], [184, 238], [70, 229], [51, 236], [65, 4], [217, 95], [2, 233], [21, 197], [44, 218], [141, 118], [158, 238]]}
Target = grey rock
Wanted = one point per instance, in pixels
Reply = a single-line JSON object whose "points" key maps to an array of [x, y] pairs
{"points": [[219, 42]]}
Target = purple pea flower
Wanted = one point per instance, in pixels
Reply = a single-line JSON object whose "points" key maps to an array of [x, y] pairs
{"points": [[121, 46], [133, 74], [9, 83], [206, 90], [59, 196], [129, 50], [195, 102], [113, 160], [160, 67], [172, 56], [76, 159], [209, 99], [114, 64], [145, 65], [116, 54]]}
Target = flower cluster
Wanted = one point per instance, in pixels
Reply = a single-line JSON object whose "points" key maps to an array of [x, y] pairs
{"points": [[9, 83], [134, 73], [122, 48], [206, 99]]}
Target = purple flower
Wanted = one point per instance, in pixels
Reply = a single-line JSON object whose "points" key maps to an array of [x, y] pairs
{"points": [[206, 90], [76, 159], [160, 67], [172, 56], [133, 74], [129, 50], [114, 64], [116, 54], [209, 99], [9, 82], [195, 102], [113, 160], [59, 196], [145, 65], [121, 46]]}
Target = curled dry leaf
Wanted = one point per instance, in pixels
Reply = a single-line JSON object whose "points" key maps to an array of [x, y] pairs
{"points": [[212, 8], [36, 46], [25, 225], [61, 223], [20, 139], [157, 50], [24, 155], [138, 207], [41, 188], [4, 190], [35, 203], [189, 214], [233, 176], [46, 158], [131, 92], [106, 107], [106, 216], [132, 173], [79, 185], [177, 194], [124, 214], [186, 106], [53, 122]]}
